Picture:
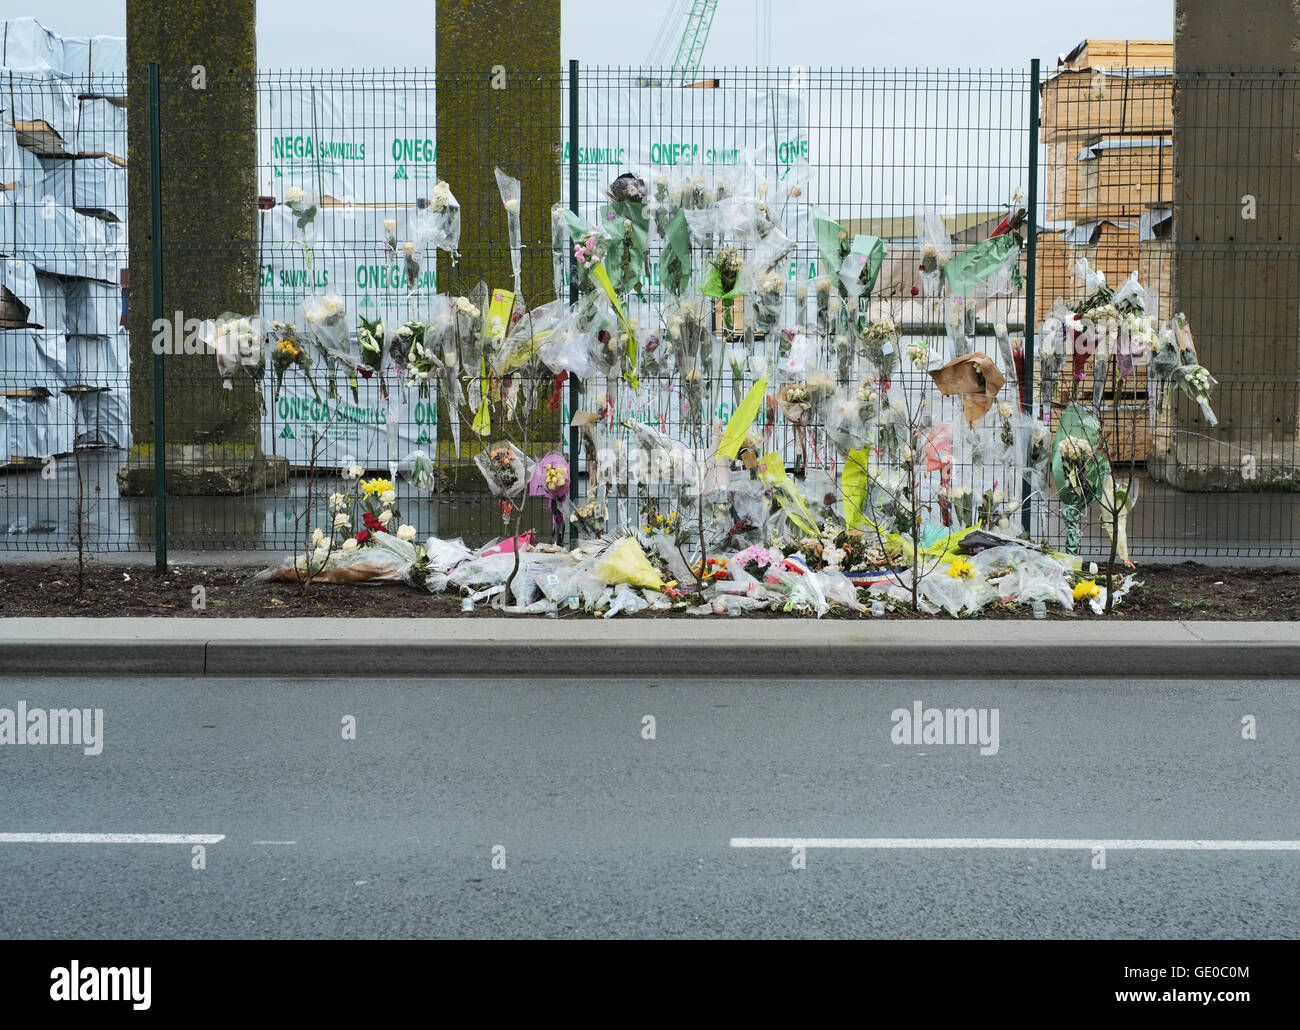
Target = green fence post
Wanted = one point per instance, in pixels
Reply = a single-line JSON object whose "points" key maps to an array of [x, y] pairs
{"points": [[575, 388], [159, 392], [1031, 262]]}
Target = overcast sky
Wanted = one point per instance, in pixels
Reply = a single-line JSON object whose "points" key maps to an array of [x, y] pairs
{"points": [[954, 33]]}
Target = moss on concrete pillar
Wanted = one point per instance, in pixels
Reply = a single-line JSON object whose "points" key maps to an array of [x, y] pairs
{"points": [[499, 103], [207, 54]]}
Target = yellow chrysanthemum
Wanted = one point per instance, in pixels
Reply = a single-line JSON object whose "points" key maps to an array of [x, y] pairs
{"points": [[961, 569], [1088, 588], [374, 487], [287, 347]]}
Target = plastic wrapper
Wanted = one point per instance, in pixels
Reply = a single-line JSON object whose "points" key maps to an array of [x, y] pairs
{"points": [[860, 268], [506, 469], [236, 340], [1053, 348], [1098, 603], [626, 600], [1023, 575], [1131, 295], [417, 468], [936, 250], [584, 340], [511, 195], [326, 319], [627, 224], [671, 227], [388, 560], [445, 555], [559, 252], [523, 341], [485, 571], [1003, 338], [802, 591], [437, 224], [305, 206], [625, 562], [987, 269], [470, 314], [837, 589]]}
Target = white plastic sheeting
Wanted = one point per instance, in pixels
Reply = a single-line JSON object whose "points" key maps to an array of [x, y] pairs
{"points": [[62, 234]]}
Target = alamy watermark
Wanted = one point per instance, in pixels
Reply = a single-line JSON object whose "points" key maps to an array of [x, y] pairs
{"points": [[936, 726], [77, 726]]}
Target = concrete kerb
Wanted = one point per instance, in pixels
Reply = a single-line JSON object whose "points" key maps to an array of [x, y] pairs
{"points": [[676, 648]]}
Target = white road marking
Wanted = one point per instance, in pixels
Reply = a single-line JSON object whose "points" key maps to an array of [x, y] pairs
{"points": [[1025, 843], [111, 838], [275, 842]]}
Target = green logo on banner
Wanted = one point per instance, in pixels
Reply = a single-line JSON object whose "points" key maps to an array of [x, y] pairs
{"points": [[424, 437], [400, 173], [287, 433]]}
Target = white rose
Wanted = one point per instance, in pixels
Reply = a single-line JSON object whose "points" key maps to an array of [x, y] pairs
{"points": [[384, 516], [294, 196], [408, 248], [320, 554], [999, 496], [341, 521], [405, 532], [317, 537], [388, 497], [353, 472], [1000, 329], [390, 225], [512, 205], [350, 544]]}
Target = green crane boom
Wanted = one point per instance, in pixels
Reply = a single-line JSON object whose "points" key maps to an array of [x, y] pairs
{"points": [[691, 49]]}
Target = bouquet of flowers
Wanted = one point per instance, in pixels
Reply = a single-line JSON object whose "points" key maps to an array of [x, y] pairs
{"points": [[880, 345], [1193, 378], [796, 401], [671, 226], [370, 335], [769, 296], [550, 479], [237, 341], [936, 250], [724, 273], [437, 223], [304, 208], [506, 468], [511, 196], [289, 350], [627, 224]]}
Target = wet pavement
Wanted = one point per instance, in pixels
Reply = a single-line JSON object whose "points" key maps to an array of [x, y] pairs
{"points": [[40, 514]]}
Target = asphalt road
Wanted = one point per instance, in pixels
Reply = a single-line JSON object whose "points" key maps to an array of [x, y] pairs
{"points": [[609, 834]]}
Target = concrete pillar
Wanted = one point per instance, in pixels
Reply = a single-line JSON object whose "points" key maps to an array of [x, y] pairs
{"points": [[1237, 152], [492, 111], [209, 160]]}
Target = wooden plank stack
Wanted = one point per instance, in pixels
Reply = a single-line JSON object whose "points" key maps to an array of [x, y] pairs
{"points": [[1107, 130]]}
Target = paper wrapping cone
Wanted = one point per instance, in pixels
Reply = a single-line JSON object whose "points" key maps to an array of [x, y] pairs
{"points": [[973, 377]]}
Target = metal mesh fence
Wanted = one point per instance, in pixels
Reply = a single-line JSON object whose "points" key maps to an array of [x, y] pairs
{"points": [[340, 175]]}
